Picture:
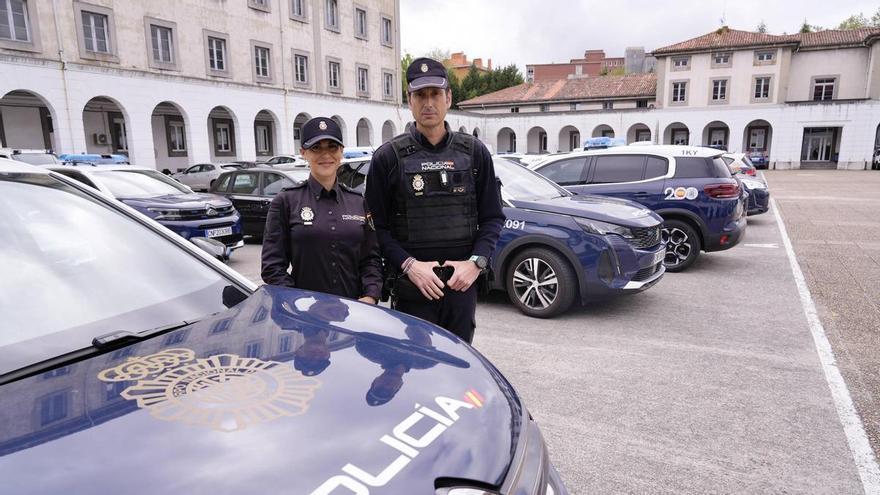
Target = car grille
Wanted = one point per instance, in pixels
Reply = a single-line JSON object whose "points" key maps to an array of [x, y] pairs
{"points": [[229, 240], [202, 213], [646, 273], [207, 226], [645, 237]]}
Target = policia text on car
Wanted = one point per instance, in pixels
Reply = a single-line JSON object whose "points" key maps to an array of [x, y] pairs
{"points": [[435, 204]]}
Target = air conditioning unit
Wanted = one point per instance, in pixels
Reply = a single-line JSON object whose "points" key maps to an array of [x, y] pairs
{"points": [[100, 138]]}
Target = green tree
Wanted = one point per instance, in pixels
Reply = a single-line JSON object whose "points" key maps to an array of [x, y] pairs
{"points": [[455, 87], [404, 63], [438, 54], [762, 27], [806, 27], [855, 21], [875, 19]]}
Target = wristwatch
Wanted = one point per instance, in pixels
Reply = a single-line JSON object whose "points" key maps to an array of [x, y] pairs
{"points": [[481, 261]]}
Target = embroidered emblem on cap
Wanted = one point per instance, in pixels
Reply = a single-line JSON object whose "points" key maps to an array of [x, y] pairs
{"points": [[424, 67], [307, 215], [322, 125], [418, 184]]}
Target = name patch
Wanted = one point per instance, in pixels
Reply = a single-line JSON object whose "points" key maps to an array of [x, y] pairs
{"points": [[445, 165], [356, 218]]}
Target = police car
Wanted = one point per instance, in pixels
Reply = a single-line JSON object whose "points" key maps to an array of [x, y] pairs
{"points": [[131, 362], [690, 187]]}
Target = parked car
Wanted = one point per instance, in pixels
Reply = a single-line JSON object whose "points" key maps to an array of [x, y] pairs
{"points": [[759, 159], [739, 163], [122, 341], [690, 187], [199, 177], [177, 207], [592, 246], [251, 190], [357, 151], [93, 159], [32, 157], [286, 160], [758, 194]]}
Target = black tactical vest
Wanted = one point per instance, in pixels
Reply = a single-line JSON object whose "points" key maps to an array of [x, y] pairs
{"points": [[436, 201]]}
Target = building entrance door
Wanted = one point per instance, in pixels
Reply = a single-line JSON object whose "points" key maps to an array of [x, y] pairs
{"points": [[819, 147]]}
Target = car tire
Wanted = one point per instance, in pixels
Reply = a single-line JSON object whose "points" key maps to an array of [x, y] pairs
{"points": [[547, 300], [682, 245], [211, 185]]}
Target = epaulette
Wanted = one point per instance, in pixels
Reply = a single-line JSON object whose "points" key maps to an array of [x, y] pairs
{"points": [[296, 185]]}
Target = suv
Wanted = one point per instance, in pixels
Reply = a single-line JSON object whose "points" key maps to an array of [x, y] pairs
{"points": [[201, 177], [32, 157], [690, 187]]}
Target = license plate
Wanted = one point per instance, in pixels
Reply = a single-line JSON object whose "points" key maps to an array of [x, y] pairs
{"points": [[659, 257], [218, 232]]}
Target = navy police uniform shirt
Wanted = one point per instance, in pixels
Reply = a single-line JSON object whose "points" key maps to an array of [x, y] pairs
{"points": [[385, 177], [325, 238]]}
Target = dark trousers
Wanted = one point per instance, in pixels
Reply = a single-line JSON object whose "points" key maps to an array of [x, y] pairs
{"points": [[455, 311]]}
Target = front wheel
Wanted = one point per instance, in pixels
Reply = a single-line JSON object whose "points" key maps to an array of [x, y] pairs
{"points": [[682, 245], [541, 283]]}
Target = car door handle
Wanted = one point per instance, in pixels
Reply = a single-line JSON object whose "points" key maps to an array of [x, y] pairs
{"points": [[641, 194]]}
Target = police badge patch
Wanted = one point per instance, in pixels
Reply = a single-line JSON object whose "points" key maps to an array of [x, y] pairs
{"points": [[322, 125], [424, 67], [307, 215], [418, 184]]}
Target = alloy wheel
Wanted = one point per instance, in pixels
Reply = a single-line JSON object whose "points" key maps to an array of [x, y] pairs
{"points": [[535, 283], [678, 246]]}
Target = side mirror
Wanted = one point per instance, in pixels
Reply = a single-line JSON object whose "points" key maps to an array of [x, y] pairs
{"points": [[213, 247]]}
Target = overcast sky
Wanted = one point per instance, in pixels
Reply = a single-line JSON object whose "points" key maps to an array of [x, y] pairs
{"points": [[545, 31]]}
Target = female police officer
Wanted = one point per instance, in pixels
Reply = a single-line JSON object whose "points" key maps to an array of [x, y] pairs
{"points": [[320, 228]]}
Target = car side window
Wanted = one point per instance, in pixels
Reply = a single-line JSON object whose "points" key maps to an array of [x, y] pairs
{"points": [[193, 169], [222, 185], [246, 183], [621, 168], [656, 167], [207, 168], [274, 183], [691, 167], [565, 172]]}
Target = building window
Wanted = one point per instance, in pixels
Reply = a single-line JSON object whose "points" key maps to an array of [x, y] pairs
{"points": [[762, 88], [765, 57], [253, 349], [216, 54], [298, 10], [573, 106], [387, 32], [14, 22], [259, 5], [388, 85], [122, 353], [542, 142], [62, 371], [53, 408], [360, 23], [512, 143], [284, 344], [679, 92], [163, 52], [334, 81], [681, 63], [514, 109], [262, 70], [331, 15], [301, 69], [176, 134], [680, 137], [574, 140], [545, 107], [175, 338], [113, 390], [642, 104], [263, 137], [719, 90], [96, 32], [363, 81], [721, 59], [823, 88], [607, 105], [223, 325]]}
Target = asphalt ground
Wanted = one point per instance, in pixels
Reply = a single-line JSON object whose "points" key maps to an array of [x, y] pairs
{"points": [[709, 382]]}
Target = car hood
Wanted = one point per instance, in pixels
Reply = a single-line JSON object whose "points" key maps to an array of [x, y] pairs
{"points": [[602, 208], [282, 393], [182, 200]]}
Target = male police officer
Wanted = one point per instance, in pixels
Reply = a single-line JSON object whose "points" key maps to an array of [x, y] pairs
{"points": [[434, 202]]}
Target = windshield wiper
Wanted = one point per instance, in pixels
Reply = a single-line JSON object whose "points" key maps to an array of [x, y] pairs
{"points": [[99, 344]]}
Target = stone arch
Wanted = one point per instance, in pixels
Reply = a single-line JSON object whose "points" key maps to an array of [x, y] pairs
{"points": [[224, 134], [716, 134], [341, 123], [477, 133], [603, 130], [536, 140], [105, 125], [758, 140], [364, 132], [388, 131], [172, 136], [676, 133], [570, 138], [506, 142], [28, 121], [266, 125], [300, 119], [638, 132]]}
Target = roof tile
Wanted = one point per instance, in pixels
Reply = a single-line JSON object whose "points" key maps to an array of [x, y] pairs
{"points": [[585, 88]]}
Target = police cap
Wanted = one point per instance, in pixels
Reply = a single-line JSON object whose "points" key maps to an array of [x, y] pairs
{"points": [[426, 73], [318, 129]]}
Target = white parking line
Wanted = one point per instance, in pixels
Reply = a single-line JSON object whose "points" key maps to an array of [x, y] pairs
{"points": [[863, 455], [771, 245]]}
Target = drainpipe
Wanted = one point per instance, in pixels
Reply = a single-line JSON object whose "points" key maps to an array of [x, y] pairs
{"points": [[63, 75], [283, 79]]}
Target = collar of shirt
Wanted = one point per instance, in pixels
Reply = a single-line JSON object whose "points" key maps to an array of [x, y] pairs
{"points": [[424, 141], [318, 191]]}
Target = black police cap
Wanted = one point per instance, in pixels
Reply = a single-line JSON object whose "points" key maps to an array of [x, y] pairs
{"points": [[318, 129], [426, 73]]}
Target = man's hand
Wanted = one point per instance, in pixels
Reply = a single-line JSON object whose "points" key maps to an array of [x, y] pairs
{"points": [[368, 300], [422, 275], [466, 272]]}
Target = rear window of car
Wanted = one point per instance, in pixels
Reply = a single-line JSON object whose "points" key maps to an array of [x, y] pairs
{"points": [[625, 168], [275, 183], [692, 167], [246, 183], [656, 167]]}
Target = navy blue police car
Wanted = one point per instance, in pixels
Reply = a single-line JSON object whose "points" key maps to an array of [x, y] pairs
{"points": [[690, 187], [131, 362]]}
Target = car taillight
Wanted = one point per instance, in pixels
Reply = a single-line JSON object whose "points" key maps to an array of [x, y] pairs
{"points": [[722, 191], [750, 171]]}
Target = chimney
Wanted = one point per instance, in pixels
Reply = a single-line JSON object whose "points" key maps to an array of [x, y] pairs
{"points": [[478, 62], [490, 64]]}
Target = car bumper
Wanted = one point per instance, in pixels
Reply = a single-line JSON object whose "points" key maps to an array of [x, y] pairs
{"points": [[624, 269], [233, 239], [733, 233], [759, 201]]}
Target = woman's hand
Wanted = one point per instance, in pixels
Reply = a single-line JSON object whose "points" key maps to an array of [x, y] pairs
{"points": [[368, 300]]}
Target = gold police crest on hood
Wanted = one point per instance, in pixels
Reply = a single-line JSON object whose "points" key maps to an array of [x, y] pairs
{"points": [[225, 392]]}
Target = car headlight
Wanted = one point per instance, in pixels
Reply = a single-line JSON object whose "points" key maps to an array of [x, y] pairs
{"points": [[165, 213], [602, 228]]}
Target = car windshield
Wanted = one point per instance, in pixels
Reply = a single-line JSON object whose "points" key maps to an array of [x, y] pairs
{"points": [[521, 183], [37, 158], [139, 183], [75, 268]]}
